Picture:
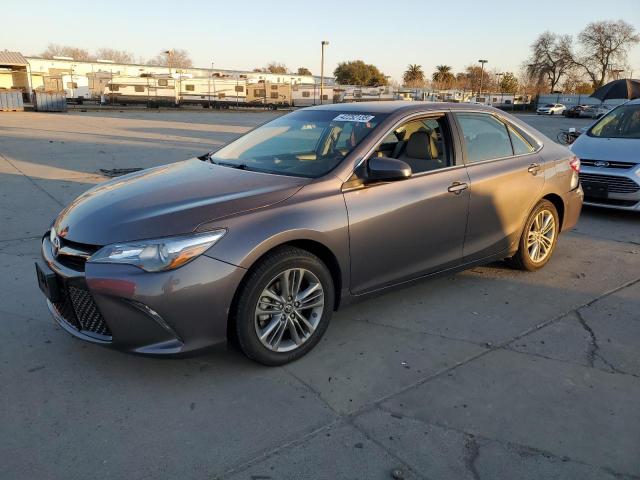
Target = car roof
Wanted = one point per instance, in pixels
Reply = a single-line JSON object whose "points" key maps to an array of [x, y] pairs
{"points": [[399, 106]]}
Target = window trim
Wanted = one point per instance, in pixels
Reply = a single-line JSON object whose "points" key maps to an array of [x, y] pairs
{"points": [[536, 148]]}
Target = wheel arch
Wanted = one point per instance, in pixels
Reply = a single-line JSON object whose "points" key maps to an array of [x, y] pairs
{"points": [[557, 202], [317, 248]]}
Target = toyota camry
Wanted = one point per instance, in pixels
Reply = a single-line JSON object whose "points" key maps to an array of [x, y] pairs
{"points": [[260, 241]]}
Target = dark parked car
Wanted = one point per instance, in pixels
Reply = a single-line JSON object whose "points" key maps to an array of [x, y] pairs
{"points": [[574, 111], [262, 240]]}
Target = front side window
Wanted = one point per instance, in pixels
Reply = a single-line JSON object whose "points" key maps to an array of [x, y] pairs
{"points": [[423, 144], [189, 88], [304, 143], [139, 88], [623, 122], [163, 82], [274, 94], [485, 137]]}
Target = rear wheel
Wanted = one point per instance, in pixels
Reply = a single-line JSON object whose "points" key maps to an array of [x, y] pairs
{"points": [[284, 307], [538, 239]]}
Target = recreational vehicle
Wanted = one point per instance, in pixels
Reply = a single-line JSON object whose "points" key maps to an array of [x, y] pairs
{"points": [[213, 92]]}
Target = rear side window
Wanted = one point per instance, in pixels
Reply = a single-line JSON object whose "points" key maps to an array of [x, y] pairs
{"points": [[520, 145], [485, 137]]}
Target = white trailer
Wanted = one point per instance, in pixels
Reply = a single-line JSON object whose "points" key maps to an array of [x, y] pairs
{"points": [[76, 88], [213, 92], [152, 90]]}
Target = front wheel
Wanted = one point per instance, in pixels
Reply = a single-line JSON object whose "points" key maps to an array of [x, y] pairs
{"points": [[539, 237], [284, 306]]}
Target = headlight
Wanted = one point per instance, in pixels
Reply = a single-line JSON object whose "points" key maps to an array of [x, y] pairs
{"points": [[158, 255]]}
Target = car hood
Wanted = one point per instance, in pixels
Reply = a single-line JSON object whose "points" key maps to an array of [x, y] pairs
{"points": [[608, 149], [169, 200]]}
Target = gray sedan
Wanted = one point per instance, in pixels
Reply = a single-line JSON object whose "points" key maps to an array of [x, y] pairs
{"points": [[260, 241]]}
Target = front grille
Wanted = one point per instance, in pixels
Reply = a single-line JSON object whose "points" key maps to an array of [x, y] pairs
{"points": [[74, 255], [611, 201], [615, 184], [609, 164], [80, 311]]}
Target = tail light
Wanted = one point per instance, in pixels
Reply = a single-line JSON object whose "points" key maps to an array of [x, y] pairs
{"points": [[574, 163]]}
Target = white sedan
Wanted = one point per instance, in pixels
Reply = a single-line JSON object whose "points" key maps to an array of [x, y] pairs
{"points": [[551, 109]]}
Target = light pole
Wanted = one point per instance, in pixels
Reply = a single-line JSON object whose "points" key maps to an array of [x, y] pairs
{"points": [[482, 62], [499, 75], [169, 54], [322, 43]]}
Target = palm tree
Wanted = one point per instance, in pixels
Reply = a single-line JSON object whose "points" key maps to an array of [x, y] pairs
{"points": [[413, 76], [443, 76]]}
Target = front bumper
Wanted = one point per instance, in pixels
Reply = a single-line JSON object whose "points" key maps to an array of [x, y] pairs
{"points": [[126, 308]]}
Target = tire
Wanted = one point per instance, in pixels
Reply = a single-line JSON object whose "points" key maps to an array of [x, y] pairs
{"points": [[287, 317], [524, 259]]}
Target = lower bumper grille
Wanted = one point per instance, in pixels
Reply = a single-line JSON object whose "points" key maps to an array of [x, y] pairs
{"points": [[79, 310], [614, 183]]}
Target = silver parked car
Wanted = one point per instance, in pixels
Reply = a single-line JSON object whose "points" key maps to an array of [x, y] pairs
{"points": [[610, 159], [595, 111]]}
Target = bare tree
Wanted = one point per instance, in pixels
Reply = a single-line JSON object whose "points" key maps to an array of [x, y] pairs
{"points": [[551, 58], [55, 50], [175, 58], [604, 47], [117, 56], [275, 67]]}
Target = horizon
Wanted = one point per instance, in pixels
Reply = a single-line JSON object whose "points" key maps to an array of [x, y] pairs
{"points": [[259, 39]]}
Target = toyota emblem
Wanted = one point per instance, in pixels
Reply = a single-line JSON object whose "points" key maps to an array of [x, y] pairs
{"points": [[601, 164], [55, 245]]}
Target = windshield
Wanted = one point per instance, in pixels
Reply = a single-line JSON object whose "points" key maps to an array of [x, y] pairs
{"points": [[623, 122], [306, 143], [549, 105]]}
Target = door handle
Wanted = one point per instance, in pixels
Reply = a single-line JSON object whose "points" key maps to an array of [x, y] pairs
{"points": [[457, 187], [534, 168]]}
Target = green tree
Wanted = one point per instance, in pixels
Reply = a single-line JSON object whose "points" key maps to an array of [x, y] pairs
{"points": [[304, 71], [508, 83], [413, 76], [356, 72], [443, 76]]}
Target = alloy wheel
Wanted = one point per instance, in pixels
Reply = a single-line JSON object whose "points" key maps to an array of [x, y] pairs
{"points": [[541, 236], [289, 310]]}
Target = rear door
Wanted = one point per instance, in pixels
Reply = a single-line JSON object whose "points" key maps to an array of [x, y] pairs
{"points": [[506, 179]]}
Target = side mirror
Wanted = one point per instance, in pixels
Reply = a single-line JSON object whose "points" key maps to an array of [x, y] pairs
{"points": [[386, 169]]}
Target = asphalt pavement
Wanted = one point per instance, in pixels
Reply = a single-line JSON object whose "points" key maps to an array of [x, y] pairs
{"points": [[489, 373]]}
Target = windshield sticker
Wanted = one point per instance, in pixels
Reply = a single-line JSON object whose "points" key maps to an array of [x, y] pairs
{"points": [[348, 117]]}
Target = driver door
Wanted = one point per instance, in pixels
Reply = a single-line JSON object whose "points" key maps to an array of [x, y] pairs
{"points": [[403, 229]]}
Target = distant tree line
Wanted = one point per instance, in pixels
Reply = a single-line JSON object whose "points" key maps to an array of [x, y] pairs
{"points": [[178, 58]]}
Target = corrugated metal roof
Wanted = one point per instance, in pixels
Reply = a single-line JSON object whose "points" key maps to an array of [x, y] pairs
{"points": [[12, 58]]}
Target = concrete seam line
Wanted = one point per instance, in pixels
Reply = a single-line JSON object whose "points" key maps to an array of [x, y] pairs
{"points": [[268, 453], [31, 180]]}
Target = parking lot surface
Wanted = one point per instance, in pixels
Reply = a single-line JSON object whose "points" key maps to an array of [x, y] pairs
{"points": [[488, 373]]}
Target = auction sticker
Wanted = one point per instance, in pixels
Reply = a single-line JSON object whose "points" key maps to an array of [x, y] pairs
{"points": [[349, 117]]}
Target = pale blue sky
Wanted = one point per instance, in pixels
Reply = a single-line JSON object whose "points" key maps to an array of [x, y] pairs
{"points": [[246, 34]]}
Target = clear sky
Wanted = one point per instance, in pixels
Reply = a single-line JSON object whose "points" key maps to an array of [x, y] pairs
{"points": [[247, 34]]}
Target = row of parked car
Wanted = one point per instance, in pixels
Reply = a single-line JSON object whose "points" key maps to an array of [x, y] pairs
{"points": [[584, 111]]}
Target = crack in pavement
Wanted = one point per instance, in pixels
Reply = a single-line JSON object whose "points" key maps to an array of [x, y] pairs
{"points": [[593, 349], [472, 452]]}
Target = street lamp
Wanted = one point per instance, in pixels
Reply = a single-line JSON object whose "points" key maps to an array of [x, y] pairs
{"points": [[169, 54], [322, 43], [482, 62], [499, 75]]}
